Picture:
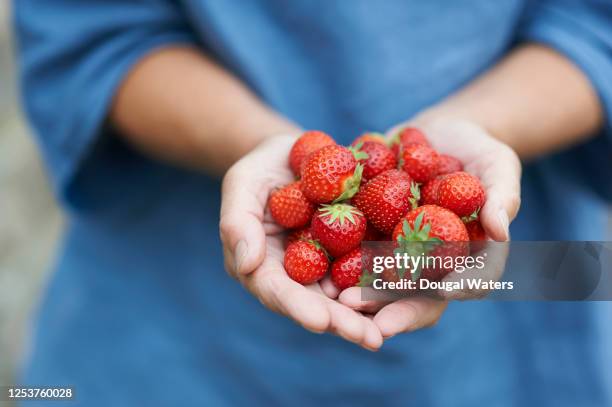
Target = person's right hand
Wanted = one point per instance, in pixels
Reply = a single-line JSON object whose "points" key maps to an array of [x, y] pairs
{"points": [[253, 249]]}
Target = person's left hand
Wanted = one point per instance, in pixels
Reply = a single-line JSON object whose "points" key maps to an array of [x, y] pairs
{"points": [[499, 170]]}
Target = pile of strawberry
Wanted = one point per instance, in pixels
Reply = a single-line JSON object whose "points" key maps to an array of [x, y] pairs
{"points": [[405, 191]]}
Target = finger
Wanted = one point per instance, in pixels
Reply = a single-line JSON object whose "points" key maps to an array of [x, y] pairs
{"points": [[283, 295], [317, 313], [500, 176], [346, 323], [245, 191], [409, 314], [354, 327], [228, 259], [307, 306], [494, 266], [270, 226], [240, 224], [328, 288], [360, 330], [350, 325], [373, 339], [368, 302]]}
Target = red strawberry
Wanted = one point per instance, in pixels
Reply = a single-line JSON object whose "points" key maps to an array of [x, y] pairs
{"points": [[420, 162], [448, 164], [347, 270], [429, 191], [475, 231], [308, 143], [379, 159], [339, 228], [408, 137], [386, 198], [443, 225], [331, 174], [390, 275], [444, 230], [300, 234], [289, 206], [372, 234], [477, 235], [306, 262], [462, 193], [373, 137]]}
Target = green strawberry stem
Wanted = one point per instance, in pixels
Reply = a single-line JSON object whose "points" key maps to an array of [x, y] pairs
{"points": [[339, 211], [357, 153], [420, 232], [318, 245], [351, 185], [416, 241], [473, 216], [366, 279], [416, 195]]}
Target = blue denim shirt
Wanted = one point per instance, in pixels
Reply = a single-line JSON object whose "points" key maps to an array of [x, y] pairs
{"points": [[139, 310]]}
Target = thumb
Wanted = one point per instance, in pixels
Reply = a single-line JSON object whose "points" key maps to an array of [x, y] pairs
{"points": [[241, 228]]}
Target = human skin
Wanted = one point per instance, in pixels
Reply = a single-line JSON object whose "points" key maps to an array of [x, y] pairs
{"points": [[179, 106]]}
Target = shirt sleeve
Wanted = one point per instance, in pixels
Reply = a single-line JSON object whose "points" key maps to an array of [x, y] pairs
{"points": [[72, 56], [582, 31]]}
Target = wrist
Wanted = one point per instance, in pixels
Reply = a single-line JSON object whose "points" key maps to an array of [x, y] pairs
{"points": [[236, 137], [249, 130]]}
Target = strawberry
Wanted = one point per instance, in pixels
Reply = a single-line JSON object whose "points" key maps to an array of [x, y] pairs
{"points": [[386, 198], [462, 193], [299, 234], [407, 137], [331, 173], [370, 137], [448, 164], [306, 262], [289, 206], [390, 275], [339, 228], [372, 234], [477, 235], [393, 275], [306, 144], [475, 231], [380, 158], [429, 191], [347, 270], [442, 229], [436, 222], [420, 162]]}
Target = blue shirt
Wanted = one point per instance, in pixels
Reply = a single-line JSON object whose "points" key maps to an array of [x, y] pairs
{"points": [[139, 310]]}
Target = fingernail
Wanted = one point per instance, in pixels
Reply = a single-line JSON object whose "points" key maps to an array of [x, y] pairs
{"points": [[240, 254], [502, 216]]}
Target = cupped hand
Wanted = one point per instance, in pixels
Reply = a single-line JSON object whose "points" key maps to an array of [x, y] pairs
{"points": [[499, 170], [253, 249]]}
